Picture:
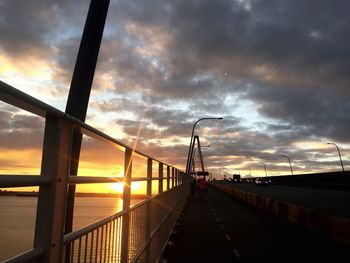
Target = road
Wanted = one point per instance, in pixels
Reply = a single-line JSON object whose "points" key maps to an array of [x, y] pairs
{"points": [[224, 229], [327, 201]]}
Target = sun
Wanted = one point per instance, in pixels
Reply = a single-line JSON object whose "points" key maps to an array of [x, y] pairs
{"points": [[117, 187], [136, 187]]}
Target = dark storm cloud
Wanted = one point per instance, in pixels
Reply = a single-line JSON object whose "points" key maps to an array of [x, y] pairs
{"points": [[306, 44], [308, 35], [210, 107], [23, 25], [303, 44], [291, 58], [318, 111], [168, 124], [20, 131], [30, 25]]}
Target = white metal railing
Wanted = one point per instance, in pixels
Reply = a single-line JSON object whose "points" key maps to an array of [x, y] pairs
{"points": [[136, 234]]}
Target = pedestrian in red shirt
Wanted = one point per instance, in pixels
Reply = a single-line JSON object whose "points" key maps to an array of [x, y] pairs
{"points": [[202, 188]]}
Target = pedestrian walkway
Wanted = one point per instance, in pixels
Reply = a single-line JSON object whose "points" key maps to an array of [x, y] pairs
{"points": [[199, 237], [223, 229]]}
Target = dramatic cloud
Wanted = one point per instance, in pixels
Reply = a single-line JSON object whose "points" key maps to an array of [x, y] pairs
{"points": [[277, 71]]}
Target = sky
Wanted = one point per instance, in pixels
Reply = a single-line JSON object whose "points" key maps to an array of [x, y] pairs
{"points": [[276, 71]]}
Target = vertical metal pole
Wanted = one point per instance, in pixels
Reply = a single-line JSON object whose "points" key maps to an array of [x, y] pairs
{"points": [[265, 169], [52, 198], [160, 174], [341, 161], [126, 204], [159, 212], [149, 177], [290, 165], [176, 177], [168, 177], [172, 177], [79, 92], [149, 209]]}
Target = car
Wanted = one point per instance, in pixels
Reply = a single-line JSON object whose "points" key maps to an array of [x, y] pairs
{"points": [[262, 181]]}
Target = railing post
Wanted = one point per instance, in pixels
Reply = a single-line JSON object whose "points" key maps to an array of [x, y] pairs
{"points": [[149, 178], [172, 177], [168, 177], [159, 211], [52, 198], [126, 205], [149, 208], [176, 179], [160, 175]]}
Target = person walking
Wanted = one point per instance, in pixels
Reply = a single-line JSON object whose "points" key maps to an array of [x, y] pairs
{"points": [[202, 188], [193, 188]]}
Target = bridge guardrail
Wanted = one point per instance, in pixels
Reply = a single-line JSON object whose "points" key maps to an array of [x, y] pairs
{"points": [[337, 228], [153, 218]]}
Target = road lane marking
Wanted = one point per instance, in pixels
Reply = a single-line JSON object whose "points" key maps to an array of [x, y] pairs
{"points": [[222, 226], [236, 253], [228, 237]]}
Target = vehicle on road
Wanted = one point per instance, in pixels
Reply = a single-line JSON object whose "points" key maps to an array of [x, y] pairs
{"points": [[262, 181], [236, 178]]}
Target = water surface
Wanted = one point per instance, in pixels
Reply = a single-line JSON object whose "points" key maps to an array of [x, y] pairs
{"points": [[17, 219]]}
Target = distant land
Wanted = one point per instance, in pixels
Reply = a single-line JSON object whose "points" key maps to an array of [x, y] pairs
{"points": [[35, 194]]}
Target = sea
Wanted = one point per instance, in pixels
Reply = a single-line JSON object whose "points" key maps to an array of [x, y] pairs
{"points": [[17, 219]]}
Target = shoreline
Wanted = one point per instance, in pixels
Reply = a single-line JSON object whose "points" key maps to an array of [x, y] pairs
{"points": [[35, 194]]}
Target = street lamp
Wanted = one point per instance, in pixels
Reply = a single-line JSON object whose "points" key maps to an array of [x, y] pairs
{"points": [[189, 156], [290, 165], [341, 162], [264, 168]]}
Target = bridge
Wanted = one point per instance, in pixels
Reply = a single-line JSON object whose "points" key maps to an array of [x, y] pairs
{"points": [[170, 225], [234, 223], [294, 217]]}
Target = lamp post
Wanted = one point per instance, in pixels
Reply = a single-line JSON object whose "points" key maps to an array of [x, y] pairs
{"points": [[189, 156], [264, 168], [290, 165], [341, 162]]}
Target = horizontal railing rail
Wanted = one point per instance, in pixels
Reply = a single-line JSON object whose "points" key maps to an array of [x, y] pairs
{"points": [[28, 256], [25, 102], [23, 180], [116, 237]]}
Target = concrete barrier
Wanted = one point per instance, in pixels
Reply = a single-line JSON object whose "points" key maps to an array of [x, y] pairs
{"points": [[338, 228]]}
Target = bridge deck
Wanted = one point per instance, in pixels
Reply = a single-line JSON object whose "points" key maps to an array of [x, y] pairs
{"points": [[222, 229]]}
